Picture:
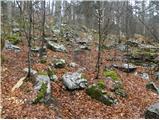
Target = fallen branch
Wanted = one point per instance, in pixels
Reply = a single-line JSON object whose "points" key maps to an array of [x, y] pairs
{"points": [[19, 83]]}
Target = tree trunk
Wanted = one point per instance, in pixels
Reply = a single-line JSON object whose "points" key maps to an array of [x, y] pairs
{"points": [[143, 7], [43, 29], [99, 46], [29, 40]]}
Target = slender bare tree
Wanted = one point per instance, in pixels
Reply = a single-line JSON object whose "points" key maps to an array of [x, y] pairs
{"points": [[29, 39]]}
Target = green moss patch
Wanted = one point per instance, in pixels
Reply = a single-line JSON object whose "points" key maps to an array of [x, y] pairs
{"points": [[112, 74]]}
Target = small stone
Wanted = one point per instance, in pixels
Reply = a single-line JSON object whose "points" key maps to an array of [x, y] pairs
{"points": [[59, 63]]}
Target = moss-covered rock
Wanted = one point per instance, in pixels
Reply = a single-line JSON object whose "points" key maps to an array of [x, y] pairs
{"points": [[140, 56], [121, 92], [41, 94], [96, 91], [112, 74], [107, 100], [152, 111], [14, 38], [117, 85]]}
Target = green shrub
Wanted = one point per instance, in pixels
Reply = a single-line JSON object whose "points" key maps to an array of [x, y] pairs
{"points": [[112, 74]]}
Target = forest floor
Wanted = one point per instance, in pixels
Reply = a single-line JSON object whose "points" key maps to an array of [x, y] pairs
{"points": [[69, 104]]}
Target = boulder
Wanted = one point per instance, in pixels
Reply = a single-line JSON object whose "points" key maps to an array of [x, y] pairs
{"points": [[151, 86], [141, 56], [145, 46], [59, 63], [125, 67], [152, 111], [143, 75], [10, 46], [56, 47], [54, 39], [74, 81], [14, 30], [43, 88], [132, 43], [82, 41], [84, 47], [35, 49], [122, 47]]}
